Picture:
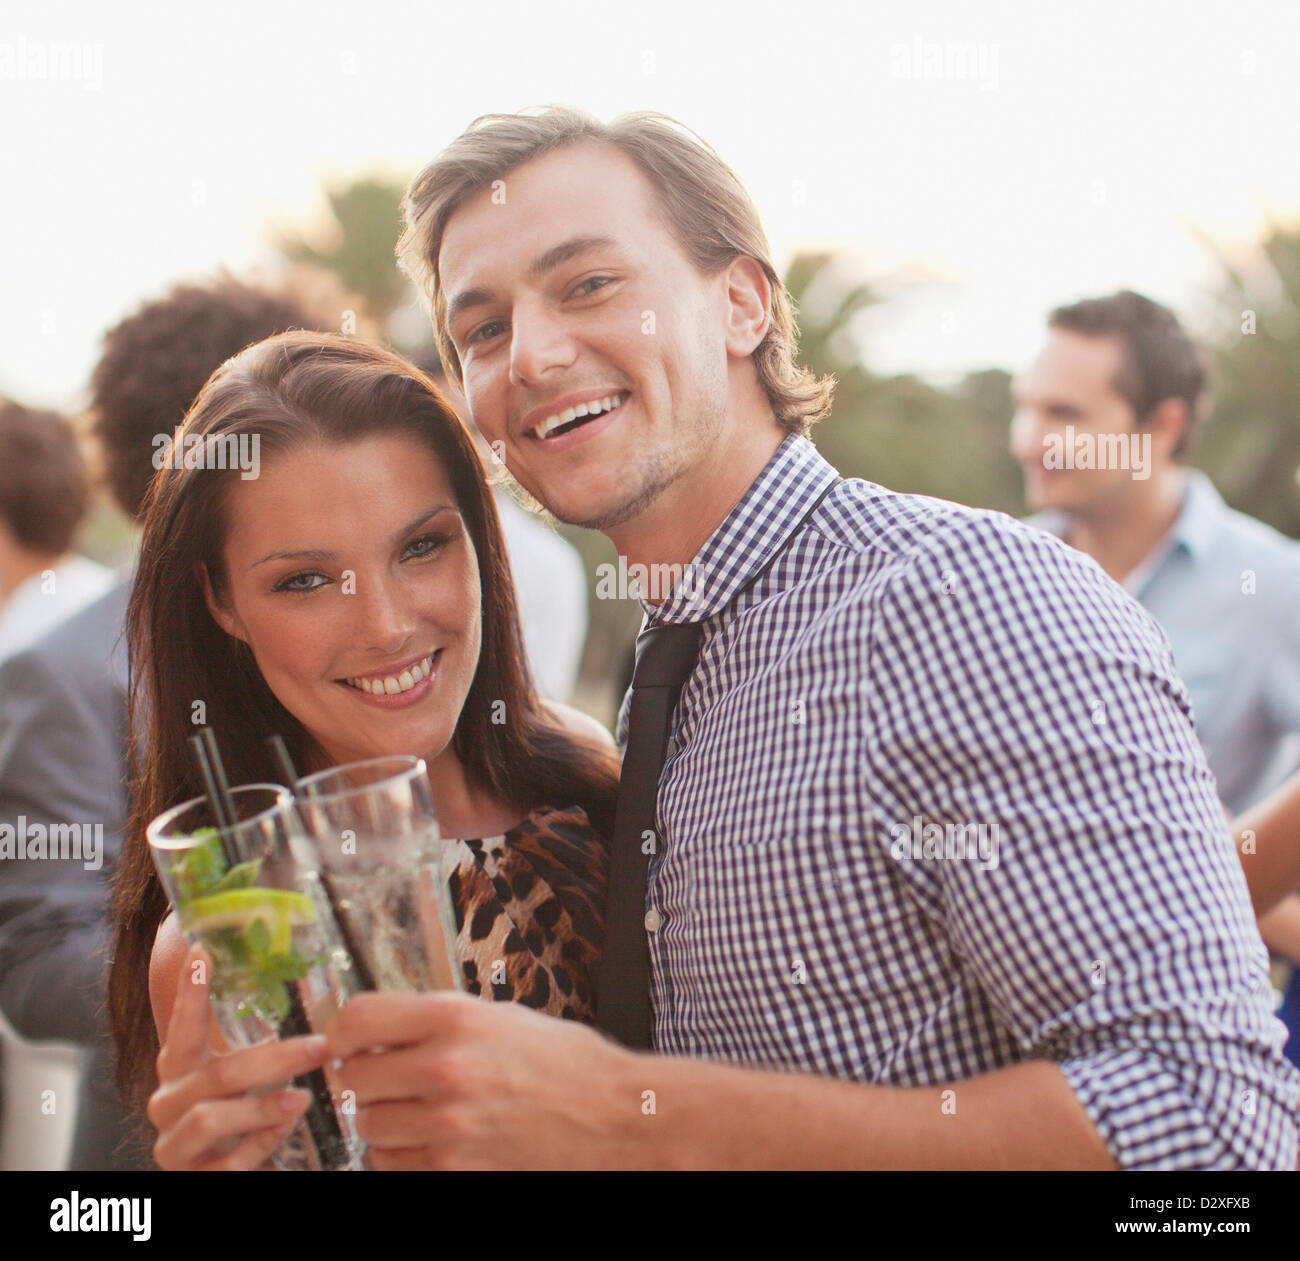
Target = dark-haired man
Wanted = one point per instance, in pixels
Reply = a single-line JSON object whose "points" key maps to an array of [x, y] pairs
{"points": [[63, 700], [44, 495], [870, 679], [1119, 376]]}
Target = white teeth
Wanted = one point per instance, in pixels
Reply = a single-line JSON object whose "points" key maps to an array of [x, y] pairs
{"points": [[394, 684], [569, 414]]}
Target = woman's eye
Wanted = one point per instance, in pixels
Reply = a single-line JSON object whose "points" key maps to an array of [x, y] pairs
{"points": [[426, 546], [301, 583]]}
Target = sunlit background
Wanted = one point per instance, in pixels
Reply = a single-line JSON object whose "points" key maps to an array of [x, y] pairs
{"points": [[934, 178], [986, 161]]}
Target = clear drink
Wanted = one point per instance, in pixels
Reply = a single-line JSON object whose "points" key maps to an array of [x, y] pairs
{"points": [[388, 916], [381, 858]]}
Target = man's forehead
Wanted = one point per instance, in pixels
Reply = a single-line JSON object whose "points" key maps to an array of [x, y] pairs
{"points": [[1073, 362], [583, 190]]}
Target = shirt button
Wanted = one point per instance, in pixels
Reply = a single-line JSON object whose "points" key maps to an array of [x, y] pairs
{"points": [[653, 921]]}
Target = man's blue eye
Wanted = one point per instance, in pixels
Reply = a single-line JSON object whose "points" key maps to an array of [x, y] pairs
{"points": [[599, 281], [482, 331]]}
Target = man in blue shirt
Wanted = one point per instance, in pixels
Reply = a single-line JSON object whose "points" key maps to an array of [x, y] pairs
{"points": [[1105, 419]]}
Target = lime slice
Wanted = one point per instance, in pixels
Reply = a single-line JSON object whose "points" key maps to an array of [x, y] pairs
{"points": [[278, 909]]}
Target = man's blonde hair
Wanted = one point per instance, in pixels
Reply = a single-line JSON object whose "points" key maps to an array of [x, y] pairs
{"points": [[708, 209]]}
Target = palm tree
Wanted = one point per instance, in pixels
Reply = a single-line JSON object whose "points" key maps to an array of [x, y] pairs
{"points": [[1251, 443], [900, 431]]}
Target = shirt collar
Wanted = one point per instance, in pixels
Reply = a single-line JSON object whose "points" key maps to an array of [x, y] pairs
{"points": [[1201, 516], [752, 533], [1198, 519]]}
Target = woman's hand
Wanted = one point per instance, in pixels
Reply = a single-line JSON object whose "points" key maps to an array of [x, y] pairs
{"points": [[204, 1115]]}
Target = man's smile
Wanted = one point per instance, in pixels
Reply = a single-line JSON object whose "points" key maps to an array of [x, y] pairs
{"points": [[564, 415]]}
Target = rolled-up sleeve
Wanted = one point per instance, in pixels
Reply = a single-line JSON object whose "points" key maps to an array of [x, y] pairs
{"points": [[1107, 923]]}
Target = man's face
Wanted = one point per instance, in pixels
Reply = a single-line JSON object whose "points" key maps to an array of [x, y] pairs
{"points": [[565, 287], [1071, 383]]}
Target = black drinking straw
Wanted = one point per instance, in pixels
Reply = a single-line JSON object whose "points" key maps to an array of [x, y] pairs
{"points": [[222, 807], [321, 1121], [285, 762]]}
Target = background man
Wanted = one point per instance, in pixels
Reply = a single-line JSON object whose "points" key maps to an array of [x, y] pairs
{"points": [[44, 495]]}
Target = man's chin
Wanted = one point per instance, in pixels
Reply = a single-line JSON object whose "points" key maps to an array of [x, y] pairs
{"points": [[1044, 495], [615, 508]]}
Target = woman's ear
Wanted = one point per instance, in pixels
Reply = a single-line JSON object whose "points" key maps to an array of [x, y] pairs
{"points": [[222, 613]]}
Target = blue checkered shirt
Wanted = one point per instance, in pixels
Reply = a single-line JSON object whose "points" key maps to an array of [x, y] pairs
{"points": [[933, 805]]}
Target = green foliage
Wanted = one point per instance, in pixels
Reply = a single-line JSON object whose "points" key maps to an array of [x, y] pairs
{"points": [[369, 220], [1251, 444], [900, 431]]}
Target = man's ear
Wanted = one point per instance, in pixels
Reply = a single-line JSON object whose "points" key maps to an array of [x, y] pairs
{"points": [[1166, 424], [222, 613], [749, 302]]}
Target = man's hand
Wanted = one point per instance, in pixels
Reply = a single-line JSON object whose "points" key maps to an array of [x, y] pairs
{"points": [[447, 1081]]}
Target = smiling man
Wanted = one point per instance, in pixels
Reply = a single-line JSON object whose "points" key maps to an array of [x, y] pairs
{"points": [[867, 671]]}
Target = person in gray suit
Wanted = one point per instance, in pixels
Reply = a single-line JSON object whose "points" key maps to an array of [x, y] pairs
{"points": [[62, 731], [63, 701]]}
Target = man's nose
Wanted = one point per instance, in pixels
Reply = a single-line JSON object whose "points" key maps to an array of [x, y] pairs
{"points": [[1026, 436], [538, 344]]}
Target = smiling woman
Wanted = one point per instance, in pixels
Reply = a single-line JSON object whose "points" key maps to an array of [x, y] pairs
{"points": [[354, 597]]}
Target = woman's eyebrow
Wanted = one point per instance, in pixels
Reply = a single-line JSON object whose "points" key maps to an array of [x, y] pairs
{"points": [[420, 520], [323, 554]]}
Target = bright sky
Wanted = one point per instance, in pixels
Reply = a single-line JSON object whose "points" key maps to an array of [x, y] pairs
{"points": [[1011, 155]]}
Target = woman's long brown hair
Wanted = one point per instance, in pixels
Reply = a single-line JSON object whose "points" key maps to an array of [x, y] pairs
{"points": [[289, 390]]}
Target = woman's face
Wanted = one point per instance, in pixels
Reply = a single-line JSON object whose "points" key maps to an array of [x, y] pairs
{"points": [[353, 579]]}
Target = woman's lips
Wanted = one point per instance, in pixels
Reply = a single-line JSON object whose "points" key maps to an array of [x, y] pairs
{"points": [[400, 699]]}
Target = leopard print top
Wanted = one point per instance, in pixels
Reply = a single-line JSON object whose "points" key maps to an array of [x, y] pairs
{"points": [[530, 910]]}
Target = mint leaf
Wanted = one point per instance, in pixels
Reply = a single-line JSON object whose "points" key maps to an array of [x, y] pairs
{"points": [[240, 876]]}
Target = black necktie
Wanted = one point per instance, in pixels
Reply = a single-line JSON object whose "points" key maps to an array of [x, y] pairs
{"points": [[665, 657]]}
